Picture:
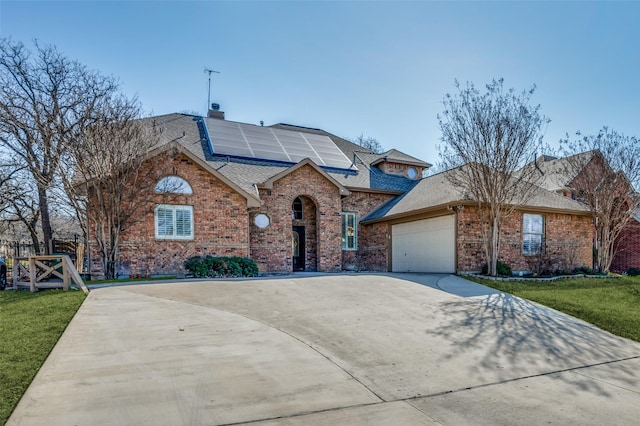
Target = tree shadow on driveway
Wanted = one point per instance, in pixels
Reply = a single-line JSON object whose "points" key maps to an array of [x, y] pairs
{"points": [[513, 333]]}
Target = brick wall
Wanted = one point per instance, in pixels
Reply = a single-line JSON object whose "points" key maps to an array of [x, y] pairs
{"points": [[399, 169], [373, 254], [271, 247], [373, 242], [627, 248], [219, 218], [568, 240]]}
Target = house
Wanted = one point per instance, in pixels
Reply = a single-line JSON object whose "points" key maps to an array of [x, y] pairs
{"points": [[288, 197], [436, 227], [301, 199], [628, 246], [561, 175]]}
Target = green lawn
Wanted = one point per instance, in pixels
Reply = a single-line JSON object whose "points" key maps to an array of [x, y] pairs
{"points": [[612, 304], [30, 326]]}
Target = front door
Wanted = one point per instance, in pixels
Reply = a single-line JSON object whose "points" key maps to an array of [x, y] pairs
{"points": [[297, 245]]}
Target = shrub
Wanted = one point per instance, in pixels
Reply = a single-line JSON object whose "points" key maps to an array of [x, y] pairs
{"points": [[633, 272], [196, 266], [501, 269], [249, 267], [587, 271], [233, 267], [216, 266], [222, 266]]}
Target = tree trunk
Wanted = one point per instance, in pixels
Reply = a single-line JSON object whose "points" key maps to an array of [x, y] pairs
{"points": [[495, 246], [43, 204], [491, 242], [31, 227], [605, 249]]}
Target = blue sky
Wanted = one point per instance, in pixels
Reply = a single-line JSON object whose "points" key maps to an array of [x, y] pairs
{"points": [[377, 68]]}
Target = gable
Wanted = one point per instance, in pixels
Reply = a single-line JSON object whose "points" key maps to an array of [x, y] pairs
{"points": [[252, 199], [268, 184]]}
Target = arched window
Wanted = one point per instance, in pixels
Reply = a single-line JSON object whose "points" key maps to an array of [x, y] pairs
{"points": [[173, 184], [296, 209]]}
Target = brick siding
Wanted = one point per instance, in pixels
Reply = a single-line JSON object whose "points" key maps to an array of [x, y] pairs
{"points": [[568, 240], [372, 252], [627, 248], [271, 247], [220, 221], [224, 226], [399, 169]]}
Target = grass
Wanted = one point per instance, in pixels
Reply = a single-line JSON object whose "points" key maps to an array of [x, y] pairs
{"points": [[30, 326], [612, 304]]}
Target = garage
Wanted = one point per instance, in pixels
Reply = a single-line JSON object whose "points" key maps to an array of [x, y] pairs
{"points": [[424, 245]]}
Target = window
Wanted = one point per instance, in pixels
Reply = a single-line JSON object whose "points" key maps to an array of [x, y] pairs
{"points": [[532, 233], [173, 184], [261, 220], [295, 242], [349, 231], [296, 209], [412, 173], [174, 222]]}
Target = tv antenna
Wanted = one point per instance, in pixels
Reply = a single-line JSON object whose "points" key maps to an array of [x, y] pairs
{"points": [[209, 71]]}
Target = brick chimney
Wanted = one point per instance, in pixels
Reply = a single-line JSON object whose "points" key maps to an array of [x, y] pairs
{"points": [[214, 112]]}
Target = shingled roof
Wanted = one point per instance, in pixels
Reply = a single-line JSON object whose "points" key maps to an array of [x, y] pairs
{"points": [[437, 192], [557, 173], [248, 173], [395, 156]]}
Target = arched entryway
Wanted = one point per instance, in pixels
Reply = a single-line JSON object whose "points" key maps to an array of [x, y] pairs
{"points": [[304, 234]]}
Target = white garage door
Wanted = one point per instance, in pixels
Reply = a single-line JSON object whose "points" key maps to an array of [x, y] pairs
{"points": [[424, 245]]}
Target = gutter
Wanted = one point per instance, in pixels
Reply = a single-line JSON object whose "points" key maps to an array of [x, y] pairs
{"points": [[459, 205]]}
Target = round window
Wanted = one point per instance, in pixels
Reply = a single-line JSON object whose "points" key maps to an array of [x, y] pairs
{"points": [[261, 220], [412, 172]]}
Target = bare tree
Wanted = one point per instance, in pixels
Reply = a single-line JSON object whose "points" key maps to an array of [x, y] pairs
{"points": [[369, 143], [21, 210], [45, 101], [606, 180], [8, 171], [488, 138], [110, 184]]}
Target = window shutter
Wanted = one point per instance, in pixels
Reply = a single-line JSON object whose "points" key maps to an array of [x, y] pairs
{"points": [[164, 217]]}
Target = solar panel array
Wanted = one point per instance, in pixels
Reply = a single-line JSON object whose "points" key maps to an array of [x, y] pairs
{"points": [[247, 140]]}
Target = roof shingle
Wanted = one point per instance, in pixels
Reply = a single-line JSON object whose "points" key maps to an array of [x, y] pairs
{"points": [[437, 191]]}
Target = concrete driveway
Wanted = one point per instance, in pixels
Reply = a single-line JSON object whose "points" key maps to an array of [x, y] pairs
{"points": [[403, 349]]}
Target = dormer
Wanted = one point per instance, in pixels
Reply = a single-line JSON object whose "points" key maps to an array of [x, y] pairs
{"points": [[394, 162]]}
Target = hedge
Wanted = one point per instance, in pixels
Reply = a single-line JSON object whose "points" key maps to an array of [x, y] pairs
{"points": [[221, 267]]}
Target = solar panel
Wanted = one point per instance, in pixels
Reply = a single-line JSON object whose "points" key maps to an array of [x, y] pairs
{"points": [[247, 140]]}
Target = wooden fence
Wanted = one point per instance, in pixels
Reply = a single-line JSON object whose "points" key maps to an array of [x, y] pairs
{"points": [[11, 250], [55, 271]]}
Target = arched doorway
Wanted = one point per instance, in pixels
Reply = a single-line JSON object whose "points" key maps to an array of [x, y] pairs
{"points": [[304, 234]]}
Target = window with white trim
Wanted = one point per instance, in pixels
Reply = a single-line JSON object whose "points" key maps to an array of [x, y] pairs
{"points": [[173, 184], [349, 231], [532, 233], [174, 222]]}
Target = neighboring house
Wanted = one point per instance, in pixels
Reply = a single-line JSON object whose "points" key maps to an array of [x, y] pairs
{"points": [[628, 247], [295, 198], [560, 175]]}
